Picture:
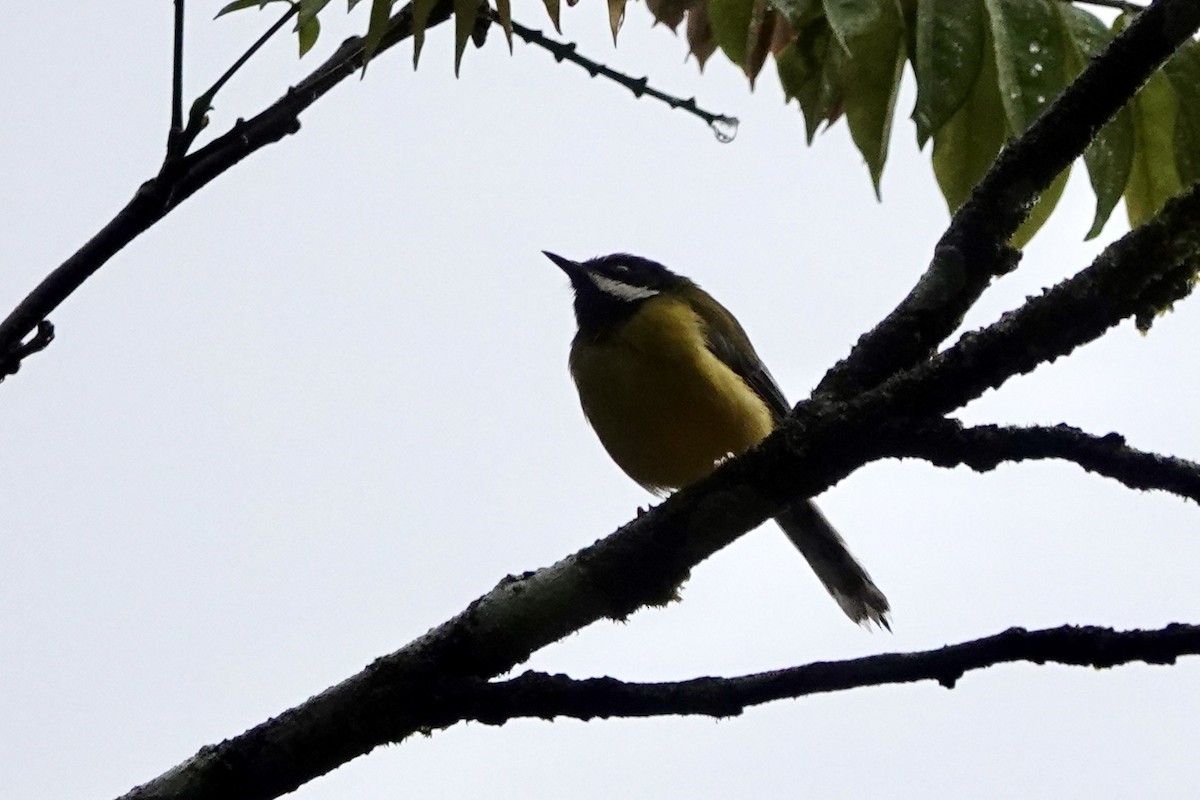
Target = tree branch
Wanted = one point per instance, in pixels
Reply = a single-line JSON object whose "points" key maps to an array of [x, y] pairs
{"points": [[975, 248], [158, 196], [644, 562], [198, 114], [723, 127], [946, 443], [542, 696], [177, 75]]}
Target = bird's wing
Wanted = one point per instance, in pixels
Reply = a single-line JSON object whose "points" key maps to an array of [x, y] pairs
{"points": [[729, 342]]}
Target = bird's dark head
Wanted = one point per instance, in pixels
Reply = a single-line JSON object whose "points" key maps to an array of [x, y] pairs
{"points": [[609, 289]]}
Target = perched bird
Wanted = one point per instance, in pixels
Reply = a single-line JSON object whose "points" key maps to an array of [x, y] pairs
{"points": [[671, 384]]}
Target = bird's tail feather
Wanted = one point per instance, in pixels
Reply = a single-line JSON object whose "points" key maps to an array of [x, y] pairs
{"points": [[829, 557]]}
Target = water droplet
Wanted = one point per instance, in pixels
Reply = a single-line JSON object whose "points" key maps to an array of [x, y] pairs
{"points": [[1034, 47], [724, 128]]}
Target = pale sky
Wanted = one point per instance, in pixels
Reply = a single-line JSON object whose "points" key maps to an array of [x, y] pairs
{"points": [[324, 405]]}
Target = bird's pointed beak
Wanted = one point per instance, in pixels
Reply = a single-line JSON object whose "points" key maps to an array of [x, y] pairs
{"points": [[573, 269]]}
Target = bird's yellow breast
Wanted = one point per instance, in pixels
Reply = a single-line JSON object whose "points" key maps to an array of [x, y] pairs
{"points": [[663, 405]]}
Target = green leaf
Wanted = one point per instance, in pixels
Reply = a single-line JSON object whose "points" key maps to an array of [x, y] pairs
{"points": [[1029, 49], [1109, 160], [310, 8], [237, 5], [421, 11], [851, 18], [871, 78], [950, 41], [308, 29], [1110, 155], [809, 70], [465, 12], [798, 13], [730, 24], [350, 4], [1183, 71], [965, 147], [307, 25], [381, 12], [1041, 211], [1153, 179]]}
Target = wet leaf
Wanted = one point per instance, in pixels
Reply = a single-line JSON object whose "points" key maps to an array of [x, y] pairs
{"points": [[949, 50], [851, 18], [1029, 51]]}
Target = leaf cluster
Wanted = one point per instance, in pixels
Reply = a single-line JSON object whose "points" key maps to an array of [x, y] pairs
{"points": [[984, 71]]}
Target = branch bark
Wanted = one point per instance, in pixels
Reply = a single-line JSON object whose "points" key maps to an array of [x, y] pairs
{"points": [[946, 443], [542, 696]]}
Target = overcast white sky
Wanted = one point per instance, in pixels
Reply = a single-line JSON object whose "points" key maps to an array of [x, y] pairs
{"points": [[325, 404]]}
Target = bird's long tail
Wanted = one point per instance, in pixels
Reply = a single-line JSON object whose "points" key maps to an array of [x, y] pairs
{"points": [[829, 557]]}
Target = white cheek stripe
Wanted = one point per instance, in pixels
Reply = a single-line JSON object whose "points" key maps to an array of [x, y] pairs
{"points": [[621, 291]]}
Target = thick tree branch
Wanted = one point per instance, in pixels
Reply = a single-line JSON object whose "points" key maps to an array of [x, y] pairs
{"points": [[974, 248], [543, 696], [644, 562], [946, 443], [183, 177]]}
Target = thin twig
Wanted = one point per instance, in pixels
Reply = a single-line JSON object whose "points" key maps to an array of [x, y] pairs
{"points": [[197, 115], [177, 72], [946, 443], [158, 196], [542, 696], [723, 127]]}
